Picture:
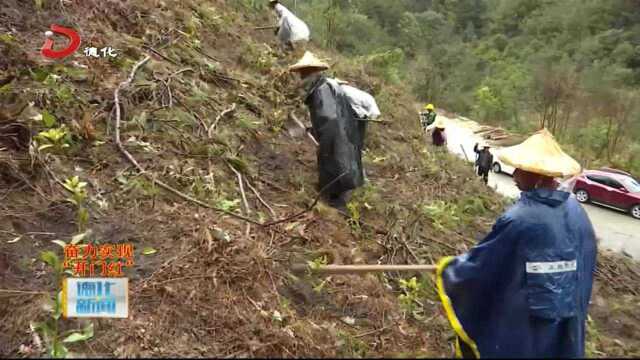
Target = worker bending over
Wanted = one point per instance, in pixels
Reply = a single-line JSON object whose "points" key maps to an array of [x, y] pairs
{"points": [[524, 290], [290, 30], [438, 135]]}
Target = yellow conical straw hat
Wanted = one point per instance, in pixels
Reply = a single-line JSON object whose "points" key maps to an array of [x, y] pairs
{"points": [[309, 60], [540, 154]]}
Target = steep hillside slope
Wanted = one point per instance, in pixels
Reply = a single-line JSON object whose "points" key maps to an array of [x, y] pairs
{"points": [[217, 285]]}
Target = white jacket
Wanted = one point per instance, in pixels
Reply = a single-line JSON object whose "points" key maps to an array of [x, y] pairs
{"points": [[291, 28]]}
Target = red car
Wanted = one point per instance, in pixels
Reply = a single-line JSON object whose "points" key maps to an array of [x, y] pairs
{"points": [[611, 189]]}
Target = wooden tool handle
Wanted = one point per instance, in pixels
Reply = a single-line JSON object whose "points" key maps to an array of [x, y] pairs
{"points": [[270, 27], [293, 117], [361, 269]]}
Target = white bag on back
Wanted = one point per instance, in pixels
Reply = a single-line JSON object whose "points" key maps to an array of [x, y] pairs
{"points": [[362, 102]]}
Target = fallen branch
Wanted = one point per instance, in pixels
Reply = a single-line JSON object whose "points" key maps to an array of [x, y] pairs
{"points": [[160, 54], [23, 292], [202, 123], [315, 202], [165, 265], [273, 185], [273, 213], [444, 244], [219, 117], [179, 72], [203, 54], [377, 230], [240, 183], [168, 82], [133, 161], [372, 332], [166, 85], [404, 242]]}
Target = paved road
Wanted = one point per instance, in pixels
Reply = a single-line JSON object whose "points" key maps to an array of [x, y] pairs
{"points": [[617, 231]]}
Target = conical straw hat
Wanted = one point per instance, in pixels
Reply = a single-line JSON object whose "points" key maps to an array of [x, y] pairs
{"points": [[309, 60], [540, 154], [439, 124]]}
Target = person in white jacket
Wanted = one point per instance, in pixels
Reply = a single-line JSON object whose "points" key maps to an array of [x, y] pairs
{"points": [[291, 29]]}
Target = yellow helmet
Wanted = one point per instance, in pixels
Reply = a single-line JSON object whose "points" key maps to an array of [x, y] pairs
{"points": [[429, 107]]}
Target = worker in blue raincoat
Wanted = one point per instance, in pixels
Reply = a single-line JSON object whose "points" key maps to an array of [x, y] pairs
{"points": [[524, 290]]}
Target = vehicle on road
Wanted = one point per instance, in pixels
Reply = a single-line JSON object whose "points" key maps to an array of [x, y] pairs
{"points": [[500, 167], [606, 169], [615, 171], [610, 189]]}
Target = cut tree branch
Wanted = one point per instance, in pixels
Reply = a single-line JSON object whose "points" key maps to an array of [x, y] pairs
{"points": [[222, 114], [240, 183], [160, 54], [315, 202], [273, 213], [245, 203]]}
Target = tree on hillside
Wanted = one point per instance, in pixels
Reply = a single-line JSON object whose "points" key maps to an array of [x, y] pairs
{"points": [[555, 86]]}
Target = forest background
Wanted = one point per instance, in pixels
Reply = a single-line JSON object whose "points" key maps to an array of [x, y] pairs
{"points": [[570, 65]]}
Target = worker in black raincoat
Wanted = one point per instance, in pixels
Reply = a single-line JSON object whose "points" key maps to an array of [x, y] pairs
{"points": [[336, 130], [484, 160], [523, 291]]}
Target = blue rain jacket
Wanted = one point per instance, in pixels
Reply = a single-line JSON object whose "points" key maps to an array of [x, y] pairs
{"points": [[524, 290]]}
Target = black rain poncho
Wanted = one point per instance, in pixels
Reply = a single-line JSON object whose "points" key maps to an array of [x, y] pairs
{"points": [[336, 130], [485, 158]]}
